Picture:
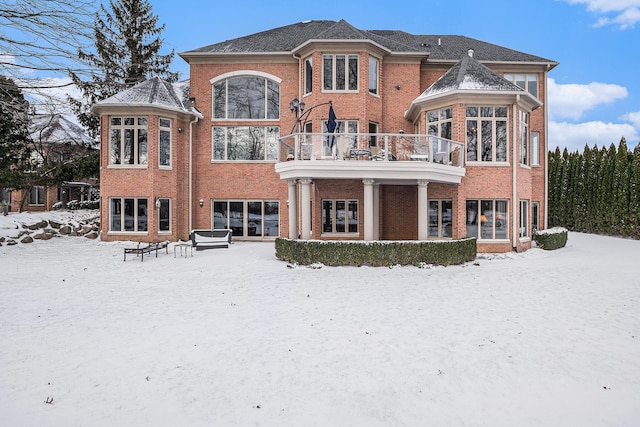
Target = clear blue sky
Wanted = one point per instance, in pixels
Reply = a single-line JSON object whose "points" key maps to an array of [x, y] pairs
{"points": [[594, 92]]}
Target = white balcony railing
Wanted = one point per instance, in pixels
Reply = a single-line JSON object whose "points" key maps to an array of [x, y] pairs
{"points": [[372, 147]]}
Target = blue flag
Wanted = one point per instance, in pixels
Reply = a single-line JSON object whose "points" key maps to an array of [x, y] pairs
{"points": [[331, 125]]}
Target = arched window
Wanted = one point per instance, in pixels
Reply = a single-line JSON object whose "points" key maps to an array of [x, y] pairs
{"points": [[246, 97]]}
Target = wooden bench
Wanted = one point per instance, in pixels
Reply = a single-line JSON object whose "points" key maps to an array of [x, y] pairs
{"points": [[150, 247], [216, 238]]}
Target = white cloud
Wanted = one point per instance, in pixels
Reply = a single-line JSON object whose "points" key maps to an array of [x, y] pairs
{"points": [[623, 13], [574, 136], [633, 118], [571, 101], [51, 97]]}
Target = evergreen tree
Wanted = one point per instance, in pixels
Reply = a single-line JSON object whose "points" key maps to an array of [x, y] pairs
{"points": [[634, 194], [127, 46], [14, 135], [621, 190]]}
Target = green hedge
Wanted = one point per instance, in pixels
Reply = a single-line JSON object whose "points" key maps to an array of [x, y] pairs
{"points": [[552, 238], [378, 253], [73, 205]]}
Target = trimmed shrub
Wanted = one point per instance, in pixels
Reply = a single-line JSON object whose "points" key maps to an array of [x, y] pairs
{"points": [[73, 205], [552, 238], [377, 253]]}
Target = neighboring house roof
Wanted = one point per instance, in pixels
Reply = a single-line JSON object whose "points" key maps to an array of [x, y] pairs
{"points": [[154, 92], [57, 129], [470, 76], [446, 48]]}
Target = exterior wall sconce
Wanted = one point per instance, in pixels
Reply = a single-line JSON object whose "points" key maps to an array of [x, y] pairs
{"points": [[179, 130], [201, 202], [157, 203]]}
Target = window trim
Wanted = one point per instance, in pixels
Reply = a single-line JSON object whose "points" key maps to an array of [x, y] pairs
{"points": [[494, 138], [347, 57], [161, 201], [162, 129], [243, 73], [266, 145], [334, 217], [122, 214], [136, 146]]}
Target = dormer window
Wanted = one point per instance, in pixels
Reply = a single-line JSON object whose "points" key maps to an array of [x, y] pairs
{"points": [[340, 72]]}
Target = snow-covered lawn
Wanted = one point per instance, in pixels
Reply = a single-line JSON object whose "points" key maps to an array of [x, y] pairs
{"points": [[233, 337]]}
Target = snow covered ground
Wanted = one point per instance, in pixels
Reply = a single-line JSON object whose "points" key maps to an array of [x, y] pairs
{"points": [[233, 337]]}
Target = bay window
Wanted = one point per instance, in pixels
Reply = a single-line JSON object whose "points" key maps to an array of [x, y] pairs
{"points": [[128, 141], [340, 72], [487, 133]]}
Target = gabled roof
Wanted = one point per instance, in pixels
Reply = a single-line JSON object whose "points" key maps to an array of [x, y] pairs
{"points": [[154, 92], [287, 39], [470, 76], [57, 129]]}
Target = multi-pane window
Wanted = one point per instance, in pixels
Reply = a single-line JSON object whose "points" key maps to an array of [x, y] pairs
{"points": [[164, 143], [245, 143], [164, 215], [128, 141], [439, 122], [440, 216], [535, 148], [373, 138], [247, 218], [528, 82], [308, 75], [524, 138], [487, 133], [36, 195], [374, 66], [535, 216], [128, 214], [331, 140], [246, 98], [524, 218], [487, 219], [340, 72], [339, 216]]}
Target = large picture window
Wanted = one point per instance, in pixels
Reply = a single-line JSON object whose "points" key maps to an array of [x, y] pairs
{"points": [[128, 143], [128, 214], [164, 142], [488, 219], [487, 133], [339, 216], [340, 72], [245, 143], [247, 218], [246, 98], [440, 218]]}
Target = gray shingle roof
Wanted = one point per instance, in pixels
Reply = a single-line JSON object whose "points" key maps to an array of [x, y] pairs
{"points": [[469, 74], [438, 47], [153, 92]]}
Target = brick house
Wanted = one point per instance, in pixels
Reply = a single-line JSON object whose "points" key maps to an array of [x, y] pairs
{"points": [[320, 130], [58, 140]]}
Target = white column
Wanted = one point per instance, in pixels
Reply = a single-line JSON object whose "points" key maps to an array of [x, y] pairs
{"points": [[368, 209], [423, 219], [292, 204], [305, 208], [376, 211]]}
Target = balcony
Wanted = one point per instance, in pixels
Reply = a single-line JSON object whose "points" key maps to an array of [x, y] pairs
{"points": [[390, 158]]}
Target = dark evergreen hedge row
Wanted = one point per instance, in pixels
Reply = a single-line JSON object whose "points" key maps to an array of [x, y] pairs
{"points": [[378, 253], [596, 191]]}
